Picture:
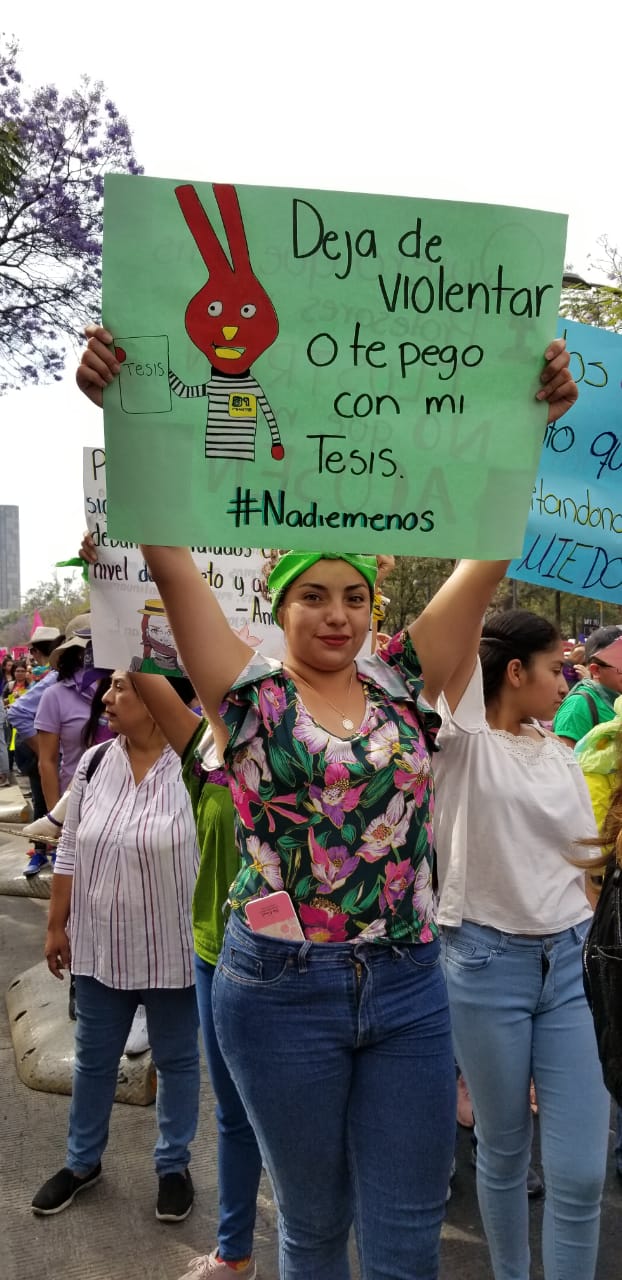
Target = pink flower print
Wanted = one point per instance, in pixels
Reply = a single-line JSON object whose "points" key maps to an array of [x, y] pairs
{"points": [[336, 797], [389, 830], [426, 934], [321, 924], [330, 866], [395, 646], [317, 739], [265, 861], [377, 929], [383, 745], [423, 895], [398, 876], [413, 772], [286, 805], [409, 715], [250, 769], [243, 797], [250, 763], [272, 703]]}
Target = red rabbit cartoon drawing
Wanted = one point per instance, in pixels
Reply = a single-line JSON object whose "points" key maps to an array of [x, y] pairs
{"points": [[232, 321]]}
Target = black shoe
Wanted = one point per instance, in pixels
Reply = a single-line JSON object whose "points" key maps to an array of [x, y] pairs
{"points": [[58, 1192], [535, 1185], [175, 1197], [72, 999]]}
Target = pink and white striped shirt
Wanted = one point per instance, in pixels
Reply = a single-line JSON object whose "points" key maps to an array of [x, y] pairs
{"points": [[133, 855]]}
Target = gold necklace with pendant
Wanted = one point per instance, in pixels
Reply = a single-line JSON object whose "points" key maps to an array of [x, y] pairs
{"points": [[346, 721]]}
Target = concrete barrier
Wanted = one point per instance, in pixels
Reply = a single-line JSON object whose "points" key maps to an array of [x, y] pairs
{"points": [[13, 849], [14, 807], [43, 1040]]}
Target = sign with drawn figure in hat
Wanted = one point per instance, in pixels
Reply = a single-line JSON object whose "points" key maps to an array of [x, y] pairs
{"points": [[573, 540], [302, 368], [129, 625], [159, 653]]}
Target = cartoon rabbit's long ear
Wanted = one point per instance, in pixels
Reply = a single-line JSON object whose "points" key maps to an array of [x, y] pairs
{"points": [[227, 201], [202, 231]]}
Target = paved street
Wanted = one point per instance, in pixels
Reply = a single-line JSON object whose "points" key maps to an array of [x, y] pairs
{"points": [[111, 1232]]}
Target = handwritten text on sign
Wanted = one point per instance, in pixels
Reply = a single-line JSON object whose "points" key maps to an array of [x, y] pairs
{"points": [[129, 625], [319, 368], [574, 534]]}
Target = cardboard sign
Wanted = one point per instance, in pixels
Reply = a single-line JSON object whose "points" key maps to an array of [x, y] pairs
{"points": [[574, 533], [130, 628], [321, 369]]}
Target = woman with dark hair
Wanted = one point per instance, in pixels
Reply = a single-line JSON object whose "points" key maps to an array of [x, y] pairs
{"points": [[514, 911], [14, 690], [64, 710], [120, 915], [7, 673], [336, 1033]]}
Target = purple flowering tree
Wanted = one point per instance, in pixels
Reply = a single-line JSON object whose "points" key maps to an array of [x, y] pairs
{"points": [[54, 152]]}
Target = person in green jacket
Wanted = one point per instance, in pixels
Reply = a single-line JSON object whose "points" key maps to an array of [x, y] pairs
{"points": [[239, 1160], [591, 701]]}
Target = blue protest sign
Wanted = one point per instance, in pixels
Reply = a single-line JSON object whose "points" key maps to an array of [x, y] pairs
{"points": [[574, 533]]}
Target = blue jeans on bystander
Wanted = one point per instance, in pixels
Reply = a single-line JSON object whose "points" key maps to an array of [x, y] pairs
{"points": [[342, 1055], [239, 1158], [104, 1018], [518, 1011]]}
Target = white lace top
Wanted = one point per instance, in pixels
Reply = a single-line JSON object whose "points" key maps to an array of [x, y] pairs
{"points": [[508, 811]]}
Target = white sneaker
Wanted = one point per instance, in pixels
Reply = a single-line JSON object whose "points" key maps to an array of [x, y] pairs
{"points": [[211, 1265], [138, 1039]]}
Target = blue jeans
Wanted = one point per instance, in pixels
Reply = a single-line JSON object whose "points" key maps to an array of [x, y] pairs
{"points": [[104, 1018], [518, 1010], [342, 1055], [239, 1158]]}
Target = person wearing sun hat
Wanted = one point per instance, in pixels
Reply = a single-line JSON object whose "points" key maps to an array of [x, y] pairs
{"points": [[64, 709], [591, 701]]}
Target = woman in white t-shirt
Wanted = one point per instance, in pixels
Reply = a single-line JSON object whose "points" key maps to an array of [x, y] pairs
{"points": [[511, 802]]}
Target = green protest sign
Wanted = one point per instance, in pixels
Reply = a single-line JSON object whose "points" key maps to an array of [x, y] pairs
{"points": [[311, 368]]}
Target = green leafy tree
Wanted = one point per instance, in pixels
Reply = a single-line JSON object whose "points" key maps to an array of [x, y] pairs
{"points": [[414, 581], [56, 601], [54, 151], [597, 304]]}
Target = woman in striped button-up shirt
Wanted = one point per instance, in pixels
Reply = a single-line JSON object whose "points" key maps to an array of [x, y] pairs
{"points": [[125, 868]]}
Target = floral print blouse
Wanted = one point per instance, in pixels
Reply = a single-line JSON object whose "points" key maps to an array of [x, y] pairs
{"points": [[343, 825]]}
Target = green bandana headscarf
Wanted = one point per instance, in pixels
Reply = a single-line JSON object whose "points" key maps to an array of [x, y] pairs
{"points": [[293, 563]]}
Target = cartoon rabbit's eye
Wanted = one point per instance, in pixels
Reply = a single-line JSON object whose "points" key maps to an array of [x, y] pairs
{"points": [[248, 310], [214, 309]]}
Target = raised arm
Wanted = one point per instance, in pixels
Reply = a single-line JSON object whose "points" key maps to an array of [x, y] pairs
{"points": [[447, 634], [173, 718], [211, 652]]}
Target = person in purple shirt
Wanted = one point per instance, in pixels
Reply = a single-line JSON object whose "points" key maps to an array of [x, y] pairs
{"points": [[21, 716], [63, 712]]}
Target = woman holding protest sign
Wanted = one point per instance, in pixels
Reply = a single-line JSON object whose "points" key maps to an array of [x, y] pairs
{"points": [[336, 1033]]}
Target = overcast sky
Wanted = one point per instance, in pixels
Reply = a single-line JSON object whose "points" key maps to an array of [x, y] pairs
{"points": [[508, 104]]}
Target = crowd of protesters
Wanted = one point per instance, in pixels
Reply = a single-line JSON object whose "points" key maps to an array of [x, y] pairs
{"points": [[420, 828]]}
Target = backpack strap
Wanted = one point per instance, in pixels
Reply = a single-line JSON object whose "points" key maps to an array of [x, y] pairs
{"points": [[587, 697], [96, 759]]}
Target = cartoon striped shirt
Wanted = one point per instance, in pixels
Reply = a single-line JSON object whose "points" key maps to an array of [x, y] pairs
{"points": [[232, 413], [133, 855]]}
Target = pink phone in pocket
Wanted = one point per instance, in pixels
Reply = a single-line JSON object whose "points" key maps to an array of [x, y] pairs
{"points": [[275, 915]]}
